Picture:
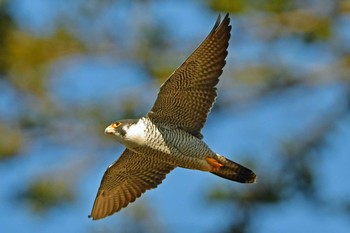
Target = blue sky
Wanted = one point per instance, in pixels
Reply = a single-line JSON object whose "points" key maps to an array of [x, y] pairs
{"points": [[251, 131]]}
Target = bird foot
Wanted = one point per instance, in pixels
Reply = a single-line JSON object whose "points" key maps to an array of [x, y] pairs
{"points": [[214, 163]]}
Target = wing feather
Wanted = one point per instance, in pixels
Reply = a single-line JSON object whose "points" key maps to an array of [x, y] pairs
{"points": [[125, 180], [186, 97]]}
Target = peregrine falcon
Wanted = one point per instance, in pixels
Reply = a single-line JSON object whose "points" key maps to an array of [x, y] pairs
{"points": [[169, 135]]}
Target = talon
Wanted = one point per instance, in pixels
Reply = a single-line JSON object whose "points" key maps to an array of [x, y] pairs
{"points": [[214, 163]]}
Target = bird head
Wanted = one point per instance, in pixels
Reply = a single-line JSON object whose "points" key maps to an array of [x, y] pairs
{"points": [[118, 128], [122, 129]]}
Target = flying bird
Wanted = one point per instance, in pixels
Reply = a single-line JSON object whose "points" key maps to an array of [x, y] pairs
{"points": [[169, 135]]}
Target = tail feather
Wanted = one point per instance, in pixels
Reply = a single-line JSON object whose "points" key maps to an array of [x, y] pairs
{"points": [[234, 171]]}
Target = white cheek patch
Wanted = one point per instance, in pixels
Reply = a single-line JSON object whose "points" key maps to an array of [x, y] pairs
{"points": [[136, 134]]}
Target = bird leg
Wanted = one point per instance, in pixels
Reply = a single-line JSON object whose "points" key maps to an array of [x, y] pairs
{"points": [[214, 163]]}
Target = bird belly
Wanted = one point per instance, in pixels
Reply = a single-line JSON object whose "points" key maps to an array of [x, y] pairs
{"points": [[182, 149], [192, 154], [173, 146]]}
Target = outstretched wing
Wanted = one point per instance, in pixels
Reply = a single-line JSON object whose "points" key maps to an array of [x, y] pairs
{"points": [[125, 180], [186, 97]]}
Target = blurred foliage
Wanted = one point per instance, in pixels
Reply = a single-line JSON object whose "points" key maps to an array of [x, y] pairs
{"points": [[265, 78], [161, 71], [234, 6], [6, 23], [344, 6], [151, 51], [309, 25], [293, 176], [46, 193], [26, 59], [283, 17], [11, 142], [241, 6], [141, 221]]}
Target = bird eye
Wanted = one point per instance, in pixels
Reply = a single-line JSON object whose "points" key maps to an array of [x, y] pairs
{"points": [[116, 124]]}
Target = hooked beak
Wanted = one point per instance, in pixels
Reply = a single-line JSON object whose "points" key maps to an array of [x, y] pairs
{"points": [[110, 130]]}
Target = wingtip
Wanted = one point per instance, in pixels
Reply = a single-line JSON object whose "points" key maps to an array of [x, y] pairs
{"points": [[226, 17], [90, 217], [225, 23], [218, 21]]}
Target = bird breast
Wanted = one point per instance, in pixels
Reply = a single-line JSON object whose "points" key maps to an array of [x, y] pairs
{"points": [[135, 135]]}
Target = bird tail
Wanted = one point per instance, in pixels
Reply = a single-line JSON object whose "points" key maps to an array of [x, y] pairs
{"points": [[234, 171]]}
